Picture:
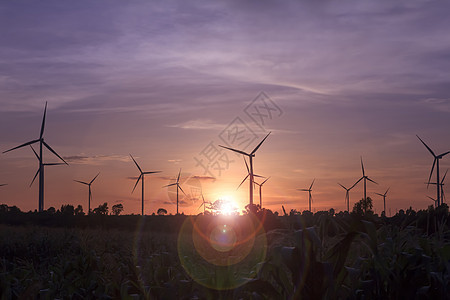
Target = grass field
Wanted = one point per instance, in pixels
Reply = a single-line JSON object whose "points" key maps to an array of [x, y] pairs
{"points": [[321, 256]]}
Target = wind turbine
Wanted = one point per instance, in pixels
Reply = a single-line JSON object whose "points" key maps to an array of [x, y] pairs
{"points": [[365, 177], [441, 185], [44, 164], [250, 156], [435, 162], [434, 200], [177, 183], [42, 143], [309, 192], [90, 193], [347, 193], [260, 193], [141, 177], [248, 175], [204, 204], [384, 199]]}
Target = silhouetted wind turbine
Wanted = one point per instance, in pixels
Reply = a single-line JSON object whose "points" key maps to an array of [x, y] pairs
{"points": [[435, 162], [141, 177], [309, 192], [365, 179], [441, 185], [434, 200], [347, 193], [248, 175], [41, 163], [204, 204], [260, 190], [177, 183], [90, 193], [250, 156], [44, 165], [384, 200]]}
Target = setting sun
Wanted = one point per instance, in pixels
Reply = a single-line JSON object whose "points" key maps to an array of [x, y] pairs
{"points": [[227, 206]]}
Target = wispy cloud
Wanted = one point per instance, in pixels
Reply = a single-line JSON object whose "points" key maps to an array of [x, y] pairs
{"points": [[202, 124], [96, 159]]}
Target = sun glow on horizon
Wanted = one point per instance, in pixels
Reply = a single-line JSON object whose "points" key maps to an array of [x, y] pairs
{"points": [[228, 205]]}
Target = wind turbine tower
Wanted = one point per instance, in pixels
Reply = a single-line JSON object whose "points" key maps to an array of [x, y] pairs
{"points": [[90, 193], [435, 162], [260, 191], [365, 178], [384, 200], [250, 156], [141, 177], [347, 193], [177, 183], [309, 193], [42, 144]]}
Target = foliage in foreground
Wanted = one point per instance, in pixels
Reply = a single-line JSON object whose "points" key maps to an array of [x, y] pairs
{"points": [[321, 256]]}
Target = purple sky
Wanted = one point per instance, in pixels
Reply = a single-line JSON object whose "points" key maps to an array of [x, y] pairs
{"points": [[163, 79]]}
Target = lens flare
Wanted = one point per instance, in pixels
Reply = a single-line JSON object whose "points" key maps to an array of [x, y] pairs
{"points": [[222, 252]]}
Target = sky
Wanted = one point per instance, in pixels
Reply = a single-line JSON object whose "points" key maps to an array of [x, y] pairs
{"points": [[169, 81]]}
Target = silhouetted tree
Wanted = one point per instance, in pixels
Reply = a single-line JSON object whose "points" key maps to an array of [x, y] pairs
{"points": [[363, 206], [67, 210], [162, 211], [3, 208], [79, 210], [51, 210], [117, 209], [102, 209]]}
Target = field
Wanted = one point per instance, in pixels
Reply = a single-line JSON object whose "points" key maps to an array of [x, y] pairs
{"points": [[262, 256]]}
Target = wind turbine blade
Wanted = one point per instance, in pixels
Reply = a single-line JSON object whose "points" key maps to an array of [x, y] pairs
{"points": [[342, 186], [443, 178], [136, 163], [259, 176], [238, 151], [379, 194], [54, 152], [386, 191], [3, 184], [172, 184], [312, 183], [178, 178], [303, 190], [23, 145], [94, 178], [243, 181], [246, 165], [54, 164], [137, 181], [444, 154], [371, 180], [34, 178], [259, 145], [152, 172], [356, 183], [264, 181], [35, 153], [43, 121], [362, 167], [429, 149], [181, 189], [432, 169], [82, 182]]}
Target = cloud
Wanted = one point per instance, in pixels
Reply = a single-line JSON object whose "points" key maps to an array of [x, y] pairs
{"points": [[96, 159], [174, 161], [203, 177], [201, 124]]}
